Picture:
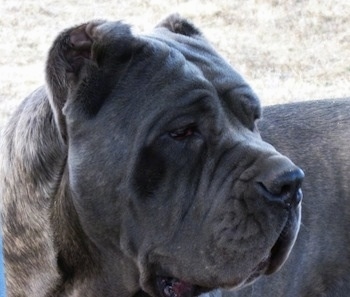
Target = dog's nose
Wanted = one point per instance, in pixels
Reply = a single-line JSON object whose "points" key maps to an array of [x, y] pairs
{"points": [[282, 186]]}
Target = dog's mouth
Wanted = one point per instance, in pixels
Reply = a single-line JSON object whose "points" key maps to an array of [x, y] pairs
{"points": [[283, 246], [280, 250], [174, 287]]}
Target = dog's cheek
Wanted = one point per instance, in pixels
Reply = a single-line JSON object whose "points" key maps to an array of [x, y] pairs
{"points": [[149, 172], [164, 161]]}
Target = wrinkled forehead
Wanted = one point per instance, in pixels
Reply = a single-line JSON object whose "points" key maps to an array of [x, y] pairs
{"points": [[214, 67], [167, 67], [160, 80], [164, 55]]}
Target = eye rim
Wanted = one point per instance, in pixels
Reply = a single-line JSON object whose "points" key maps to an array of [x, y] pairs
{"points": [[184, 132]]}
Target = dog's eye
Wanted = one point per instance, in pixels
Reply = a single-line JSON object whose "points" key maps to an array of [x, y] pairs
{"points": [[182, 133]]}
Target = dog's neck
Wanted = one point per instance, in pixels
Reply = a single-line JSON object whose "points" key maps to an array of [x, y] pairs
{"points": [[83, 267]]}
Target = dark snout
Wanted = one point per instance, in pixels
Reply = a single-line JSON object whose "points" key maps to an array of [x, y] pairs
{"points": [[280, 181]]}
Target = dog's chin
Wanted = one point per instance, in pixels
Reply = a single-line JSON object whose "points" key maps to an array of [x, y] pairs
{"points": [[167, 286]]}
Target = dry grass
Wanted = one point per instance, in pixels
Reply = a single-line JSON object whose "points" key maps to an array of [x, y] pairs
{"points": [[288, 50]]}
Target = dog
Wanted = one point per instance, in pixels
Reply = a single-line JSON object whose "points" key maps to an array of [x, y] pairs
{"points": [[315, 134], [138, 170]]}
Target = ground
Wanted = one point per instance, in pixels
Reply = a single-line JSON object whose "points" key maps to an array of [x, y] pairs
{"points": [[287, 50]]}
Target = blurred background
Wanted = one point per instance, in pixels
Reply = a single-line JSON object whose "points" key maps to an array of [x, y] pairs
{"points": [[289, 50]]}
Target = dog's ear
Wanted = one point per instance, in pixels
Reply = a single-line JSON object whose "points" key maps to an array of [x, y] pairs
{"points": [[78, 64], [176, 24]]}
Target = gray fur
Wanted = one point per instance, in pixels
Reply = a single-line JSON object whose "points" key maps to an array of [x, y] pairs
{"points": [[140, 161]]}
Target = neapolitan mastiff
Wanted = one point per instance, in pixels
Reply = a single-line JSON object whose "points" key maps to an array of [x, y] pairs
{"points": [[315, 135], [139, 171]]}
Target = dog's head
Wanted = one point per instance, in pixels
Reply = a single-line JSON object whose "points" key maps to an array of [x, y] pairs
{"points": [[167, 172]]}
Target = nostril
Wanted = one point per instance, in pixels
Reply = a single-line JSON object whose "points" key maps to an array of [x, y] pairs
{"points": [[284, 188]]}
